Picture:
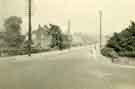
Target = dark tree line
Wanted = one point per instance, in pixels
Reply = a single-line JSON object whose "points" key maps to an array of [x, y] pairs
{"points": [[123, 43]]}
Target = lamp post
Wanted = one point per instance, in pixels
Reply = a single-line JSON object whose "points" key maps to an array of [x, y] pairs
{"points": [[100, 15], [69, 33]]}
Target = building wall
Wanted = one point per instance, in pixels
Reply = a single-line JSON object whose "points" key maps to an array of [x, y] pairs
{"points": [[43, 42]]}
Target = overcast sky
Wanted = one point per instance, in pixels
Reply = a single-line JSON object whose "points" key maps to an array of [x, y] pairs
{"points": [[83, 14]]}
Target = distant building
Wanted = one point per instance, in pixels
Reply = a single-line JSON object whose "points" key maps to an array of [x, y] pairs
{"points": [[41, 38], [83, 39]]}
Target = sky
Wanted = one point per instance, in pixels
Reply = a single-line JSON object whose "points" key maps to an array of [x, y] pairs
{"points": [[83, 14]]}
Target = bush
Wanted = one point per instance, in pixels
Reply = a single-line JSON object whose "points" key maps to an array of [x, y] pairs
{"points": [[127, 54], [14, 52], [123, 43], [109, 52]]}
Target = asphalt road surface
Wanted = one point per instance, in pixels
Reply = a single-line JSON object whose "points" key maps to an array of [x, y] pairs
{"points": [[71, 69]]}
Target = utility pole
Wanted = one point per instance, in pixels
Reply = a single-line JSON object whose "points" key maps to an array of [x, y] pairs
{"points": [[29, 27], [100, 15]]}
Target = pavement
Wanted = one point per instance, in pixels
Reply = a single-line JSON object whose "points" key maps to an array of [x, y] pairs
{"points": [[75, 68]]}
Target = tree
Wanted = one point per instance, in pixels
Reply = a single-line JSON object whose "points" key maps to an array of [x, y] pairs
{"points": [[56, 34], [13, 25], [124, 42], [13, 31]]}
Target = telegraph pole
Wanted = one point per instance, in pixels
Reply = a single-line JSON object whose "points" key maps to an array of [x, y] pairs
{"points": [[100, 15], [29, 27]]}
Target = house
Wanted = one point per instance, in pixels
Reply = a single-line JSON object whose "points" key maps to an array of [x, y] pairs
{"points": [[41, 38]]}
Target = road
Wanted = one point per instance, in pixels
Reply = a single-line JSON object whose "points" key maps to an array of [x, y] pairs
{"points": [[71, 69]]}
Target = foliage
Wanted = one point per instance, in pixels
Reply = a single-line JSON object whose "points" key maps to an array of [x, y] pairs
{"points": [[109, 52], [13, 25], [13, 36], [127, 53], [56, 34], [124, 42]]}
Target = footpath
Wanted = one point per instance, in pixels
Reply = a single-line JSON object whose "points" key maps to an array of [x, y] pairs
{"points": [[38, 55]]}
